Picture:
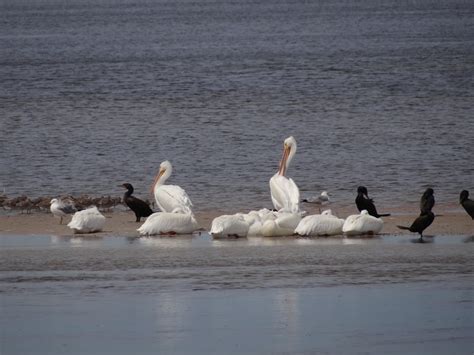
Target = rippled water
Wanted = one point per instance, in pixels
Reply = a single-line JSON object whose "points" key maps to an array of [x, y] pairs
{"points": [[96, 93], [61, 265]]}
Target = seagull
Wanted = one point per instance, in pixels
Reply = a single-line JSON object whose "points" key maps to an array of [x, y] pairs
{"points": [[60, 208], [139, 207], [467, 203], [363, 202], [322, 199]]}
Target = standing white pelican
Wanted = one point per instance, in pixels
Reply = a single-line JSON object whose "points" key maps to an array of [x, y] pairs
{"points": [[170, 198], [168, 223], [229, 226], [320, 224], [285, 193], [89, 220], [362, 223], [60, 208]]}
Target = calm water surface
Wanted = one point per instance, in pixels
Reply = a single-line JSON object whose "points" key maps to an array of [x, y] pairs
{"points": [[98, 295], [82, 265], [96, 93]]}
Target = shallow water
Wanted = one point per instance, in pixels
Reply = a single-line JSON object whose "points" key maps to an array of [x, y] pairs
{"points": [[96, 93], [191, 294], [89, 265]]}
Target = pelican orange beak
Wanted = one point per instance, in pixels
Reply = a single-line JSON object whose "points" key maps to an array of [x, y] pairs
{"points": [[157, 177], [284, 158]]}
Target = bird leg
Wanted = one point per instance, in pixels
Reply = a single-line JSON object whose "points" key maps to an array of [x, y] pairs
{"points": [[61, 220]]}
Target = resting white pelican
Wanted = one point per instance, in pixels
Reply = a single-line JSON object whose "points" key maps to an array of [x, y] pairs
{"points": [[255, 220], [362, 223], [170, 198], [285, 193], [229, 226], [168, 223], [283, 225], [320, 224], [60, 208], [89, 220]]}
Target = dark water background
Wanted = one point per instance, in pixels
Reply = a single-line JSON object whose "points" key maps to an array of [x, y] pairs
{"points": [[96, 93]]}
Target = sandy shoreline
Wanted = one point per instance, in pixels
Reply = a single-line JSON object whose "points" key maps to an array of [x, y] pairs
{"points": [[451, 220]]}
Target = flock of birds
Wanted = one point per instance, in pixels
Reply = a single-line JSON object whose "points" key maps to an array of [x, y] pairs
{"points": [[177, 217]]}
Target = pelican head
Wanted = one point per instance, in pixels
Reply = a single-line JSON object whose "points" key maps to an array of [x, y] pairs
{"points": [[163, 174], [289, 150]]}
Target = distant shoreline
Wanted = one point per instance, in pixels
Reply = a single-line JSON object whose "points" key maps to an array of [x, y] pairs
{"points": [[451, 220]]}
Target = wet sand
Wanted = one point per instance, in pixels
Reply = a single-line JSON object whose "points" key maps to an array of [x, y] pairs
{"points": [[451, 220]]}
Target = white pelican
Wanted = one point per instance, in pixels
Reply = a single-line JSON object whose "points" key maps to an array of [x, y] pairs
{"points": [[283, 225], [285, 193], [170, 198], [169, 223], [362, 223], [320, 224], [255, 220], [61, 208], [89, 220], [229, 226]]}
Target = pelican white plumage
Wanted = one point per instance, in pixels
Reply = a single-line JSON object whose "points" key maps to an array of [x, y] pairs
{"points": [[285, 194], [283, 225], [229, 226], [89, 220], [320, 224], [170, 198], [60, 208], [169, 223], [362, 223]]}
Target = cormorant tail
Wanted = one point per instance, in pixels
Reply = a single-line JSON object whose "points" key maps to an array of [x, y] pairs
{"points": [[384, 214], [403, 227]]}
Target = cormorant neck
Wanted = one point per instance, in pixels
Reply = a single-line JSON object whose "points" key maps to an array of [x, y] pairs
{"points": [[128, 193]]}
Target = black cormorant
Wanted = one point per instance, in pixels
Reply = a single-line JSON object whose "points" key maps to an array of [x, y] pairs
{"points": [[423, 221], [467, 203], [427, 201], [139, 207], [363, 202]]}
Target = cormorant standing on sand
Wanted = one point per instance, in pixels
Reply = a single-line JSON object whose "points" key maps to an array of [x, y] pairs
{"points": [[467, 203], [139, 207], [363, 202], [426, 217], [423, 221]]}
